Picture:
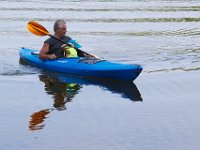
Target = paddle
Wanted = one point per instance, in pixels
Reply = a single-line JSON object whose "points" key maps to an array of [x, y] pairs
{"points": [[39, 30]]}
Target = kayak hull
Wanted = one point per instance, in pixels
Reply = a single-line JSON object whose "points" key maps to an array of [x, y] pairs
{"points": [[102, 68]]}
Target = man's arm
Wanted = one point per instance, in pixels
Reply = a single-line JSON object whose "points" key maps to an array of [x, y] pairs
{"points": [[43, 52]]}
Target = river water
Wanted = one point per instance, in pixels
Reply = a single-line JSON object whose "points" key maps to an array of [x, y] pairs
{"points": [[160, 110]]}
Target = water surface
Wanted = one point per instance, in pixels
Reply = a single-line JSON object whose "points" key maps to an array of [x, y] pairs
{"points": [[41, 110]]}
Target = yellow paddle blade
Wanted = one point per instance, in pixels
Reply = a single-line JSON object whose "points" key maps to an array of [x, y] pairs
{"points": [[37, 29]]}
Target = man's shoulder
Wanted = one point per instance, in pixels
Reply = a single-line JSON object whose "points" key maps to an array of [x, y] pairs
{"points": [[49, 40], [52, 40]]}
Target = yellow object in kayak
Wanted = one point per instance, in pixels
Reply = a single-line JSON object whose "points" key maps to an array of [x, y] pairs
{"points": [[70, 52]]}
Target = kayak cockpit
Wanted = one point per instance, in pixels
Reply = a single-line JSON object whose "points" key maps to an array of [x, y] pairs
{"points": [[81, 58], [79, 53]]}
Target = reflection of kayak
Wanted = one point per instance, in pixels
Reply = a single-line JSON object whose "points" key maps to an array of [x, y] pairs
{"points": [[64, 88], [83, 66], [126, 89]]}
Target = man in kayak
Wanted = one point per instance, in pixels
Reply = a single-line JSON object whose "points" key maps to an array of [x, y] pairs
{"points": [[53, 49]]}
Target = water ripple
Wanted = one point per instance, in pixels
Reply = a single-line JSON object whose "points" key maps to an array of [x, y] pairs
{"points": [[111, 20], [14, 70], [151, 9], [186, 32], [174, 69], [16, 73]]}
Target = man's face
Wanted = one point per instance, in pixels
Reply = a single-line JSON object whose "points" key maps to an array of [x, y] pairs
{"points": [[62, 30]]}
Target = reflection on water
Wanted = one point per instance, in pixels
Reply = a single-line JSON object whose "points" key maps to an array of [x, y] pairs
{"points": [[37, 118], [126, 89], [62, 92], [63, 89]]}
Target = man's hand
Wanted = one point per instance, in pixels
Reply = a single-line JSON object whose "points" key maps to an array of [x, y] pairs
{"points": [[52, 56], [63, 47]]}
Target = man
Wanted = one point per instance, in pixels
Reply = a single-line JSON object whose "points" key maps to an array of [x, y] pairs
{"points": [[52, 48]]}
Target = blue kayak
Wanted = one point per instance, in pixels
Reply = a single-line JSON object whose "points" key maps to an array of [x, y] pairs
{"points": [[82, 66]]}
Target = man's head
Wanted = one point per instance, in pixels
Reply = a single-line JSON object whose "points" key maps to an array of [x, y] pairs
{"points": [[60, 28]]}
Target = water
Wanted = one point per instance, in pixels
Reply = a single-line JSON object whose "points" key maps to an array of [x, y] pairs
{"points": [[159, 110]]}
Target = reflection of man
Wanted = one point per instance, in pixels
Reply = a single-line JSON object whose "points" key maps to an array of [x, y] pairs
{"points": [[62, 93]]}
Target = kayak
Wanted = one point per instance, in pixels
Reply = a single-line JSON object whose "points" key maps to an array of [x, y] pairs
{"points": [[82, 66]]}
